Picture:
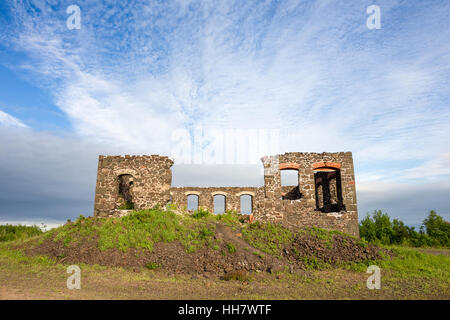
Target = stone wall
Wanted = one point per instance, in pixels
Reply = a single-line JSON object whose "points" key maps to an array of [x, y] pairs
{"points": [[148, 178], [324, 197], [206, 196], [277, 205]]}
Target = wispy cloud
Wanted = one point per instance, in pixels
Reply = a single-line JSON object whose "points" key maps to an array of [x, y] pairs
{"points": [[10, 121], [133, 73], [137, 70]]}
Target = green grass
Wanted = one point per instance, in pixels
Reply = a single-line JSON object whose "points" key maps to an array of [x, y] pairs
{"points": [[409, 273], [20, 257], [141, 230], [327, 236], [10, 232], [409, 263], [126, 206], [268, 237], [229, 218], [238, 275], [201, 213], [315, 264], [231, 247], [258, 254], [152, 266]]}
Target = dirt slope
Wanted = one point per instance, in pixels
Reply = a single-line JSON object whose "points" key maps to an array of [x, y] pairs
{"points": [[240, 256]]}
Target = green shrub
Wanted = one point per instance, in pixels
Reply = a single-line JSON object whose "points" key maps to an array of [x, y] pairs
{"points": [[10, 232]]}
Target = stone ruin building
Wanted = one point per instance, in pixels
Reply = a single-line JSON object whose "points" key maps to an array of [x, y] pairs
{"points": [[324, 197]]}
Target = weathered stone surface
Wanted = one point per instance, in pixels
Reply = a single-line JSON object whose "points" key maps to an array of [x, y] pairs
{"points": [[325, 196], [142, 180]]}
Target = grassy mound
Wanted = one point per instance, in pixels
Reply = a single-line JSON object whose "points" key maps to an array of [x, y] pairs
{"points": [[311, 247], [197, 243], [140, 230]]}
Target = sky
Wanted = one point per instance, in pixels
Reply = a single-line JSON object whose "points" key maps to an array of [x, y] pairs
{"points": [[136, 72]]}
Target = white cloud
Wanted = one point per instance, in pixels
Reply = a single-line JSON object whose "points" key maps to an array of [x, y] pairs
{"points": [[236, 65], [434, 168], [410, 203], [43, 224], [132, 74], [10, 121]]}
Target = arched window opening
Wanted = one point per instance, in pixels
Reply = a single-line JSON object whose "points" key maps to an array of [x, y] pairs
{"points": [[289, 177], [328, 190], [219, 203], [290, 184], [192, 202], [246, 204], [125, 198]]}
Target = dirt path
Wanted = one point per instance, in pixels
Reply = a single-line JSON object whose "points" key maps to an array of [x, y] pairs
{"points": [[49, 282], [7, 293]]}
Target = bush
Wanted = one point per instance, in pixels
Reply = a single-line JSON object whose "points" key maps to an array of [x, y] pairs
{"points": [[10, 232]]}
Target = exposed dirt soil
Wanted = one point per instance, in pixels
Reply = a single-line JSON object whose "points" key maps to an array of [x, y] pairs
{"points": [[172, 257], [340, 249]]}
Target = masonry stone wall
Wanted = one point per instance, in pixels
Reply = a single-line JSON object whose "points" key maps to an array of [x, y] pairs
{"points": [[324, 197], [148, 178], [206, 196], [304, 211]]}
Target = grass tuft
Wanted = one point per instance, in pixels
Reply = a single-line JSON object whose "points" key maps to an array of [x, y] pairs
{"points": [[268, 237]]}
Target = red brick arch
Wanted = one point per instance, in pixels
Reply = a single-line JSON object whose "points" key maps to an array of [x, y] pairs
{"points": [[326, 166], [289, 166]]}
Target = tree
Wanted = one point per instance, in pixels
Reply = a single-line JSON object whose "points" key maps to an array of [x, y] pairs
{"points": [[401, 233], [377, 228], [437, 229]]}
